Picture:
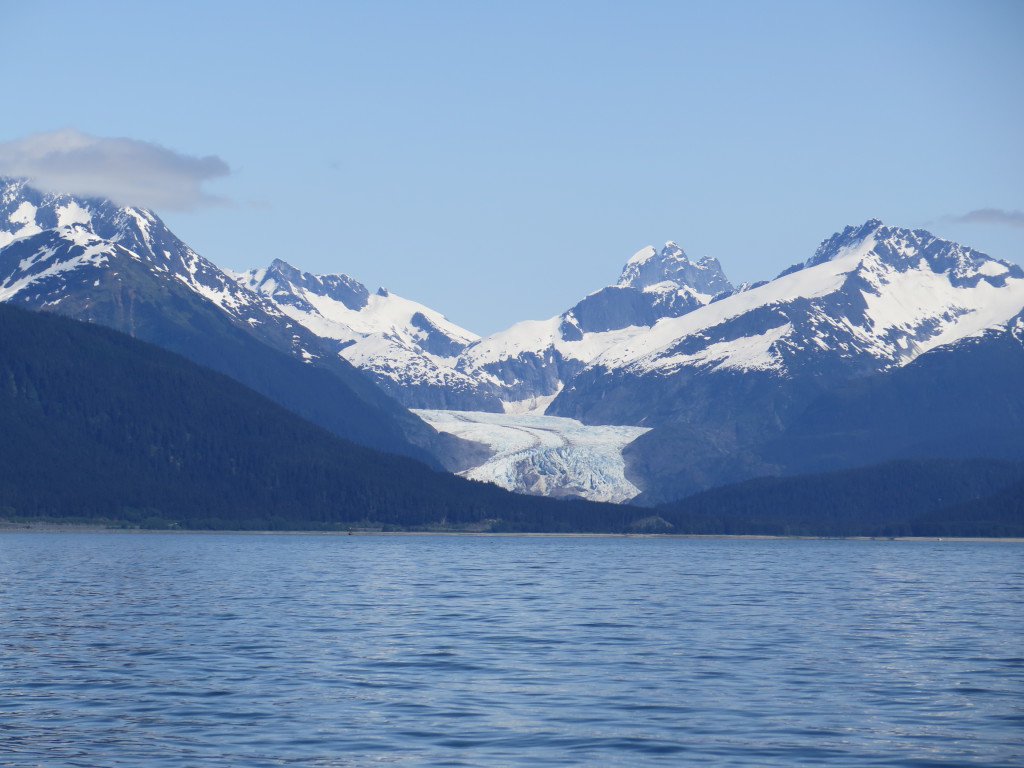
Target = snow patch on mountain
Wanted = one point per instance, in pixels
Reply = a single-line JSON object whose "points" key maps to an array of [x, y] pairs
{"points": [[72, 213], [54, 257], [533, 405], [544, 455], [756, 352], [541, 338], [21, 222]]}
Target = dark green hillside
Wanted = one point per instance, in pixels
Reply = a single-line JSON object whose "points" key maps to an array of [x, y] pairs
{"points": [[936, 497], [1000, 514], [98, 426]]}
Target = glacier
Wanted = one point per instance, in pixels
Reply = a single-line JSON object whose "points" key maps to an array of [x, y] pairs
{"points": [[544, 455]]}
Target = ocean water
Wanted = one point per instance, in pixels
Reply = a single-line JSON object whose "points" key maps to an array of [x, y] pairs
{"points": [[304, 650]]}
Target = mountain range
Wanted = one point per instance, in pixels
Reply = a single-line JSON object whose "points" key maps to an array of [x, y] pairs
{"points": [[885, 344]]}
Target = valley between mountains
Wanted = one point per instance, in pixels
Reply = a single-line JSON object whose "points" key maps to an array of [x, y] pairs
{"points": [[885, 345]]}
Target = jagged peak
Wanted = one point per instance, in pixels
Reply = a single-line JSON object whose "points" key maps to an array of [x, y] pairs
{"points": [[25, 209], [840, 243], [339, 287], [905, 249], [281, 268], [649, 267], [672, 250]]}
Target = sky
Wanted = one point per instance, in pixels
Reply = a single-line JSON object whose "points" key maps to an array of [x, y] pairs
{"points": [[497, 161]]}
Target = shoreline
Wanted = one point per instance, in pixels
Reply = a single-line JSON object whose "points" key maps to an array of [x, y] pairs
{"points": [[51, 528]]}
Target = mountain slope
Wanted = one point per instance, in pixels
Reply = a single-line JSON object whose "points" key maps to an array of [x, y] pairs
{"points": [[959, 401], [122, 268], [100, 426], [965, 399], [998, 514], [408, 349]]}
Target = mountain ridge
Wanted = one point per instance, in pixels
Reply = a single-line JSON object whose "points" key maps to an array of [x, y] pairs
{"points": [[140, 278], [725, 382]]}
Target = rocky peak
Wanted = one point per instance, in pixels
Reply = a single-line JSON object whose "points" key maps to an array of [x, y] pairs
{"points": [[904, 249], [841, 243], [285, 283], [649, 267]]}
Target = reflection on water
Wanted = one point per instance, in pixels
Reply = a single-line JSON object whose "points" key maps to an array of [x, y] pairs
{"points": [[249, 650]]}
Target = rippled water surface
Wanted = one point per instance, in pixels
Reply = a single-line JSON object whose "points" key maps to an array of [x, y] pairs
{"points": [[258, 650]]}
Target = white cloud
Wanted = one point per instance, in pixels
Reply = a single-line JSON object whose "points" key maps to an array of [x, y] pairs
{"points": [[128, 171], [992, 216]]}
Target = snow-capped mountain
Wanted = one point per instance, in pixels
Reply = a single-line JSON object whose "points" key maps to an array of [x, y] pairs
{"points": [[120, 266], [407, 348], [71, 243], [425, 361], [530, 363], [871, 298], [671, 347], [959, 400], [710, 383], [732, 375]]}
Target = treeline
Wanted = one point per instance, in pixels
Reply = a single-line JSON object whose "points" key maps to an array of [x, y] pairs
{"points": [[100, 427], [933, 497]]}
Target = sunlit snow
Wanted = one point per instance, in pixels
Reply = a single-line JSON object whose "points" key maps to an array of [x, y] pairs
{"points": [[72, 213]]}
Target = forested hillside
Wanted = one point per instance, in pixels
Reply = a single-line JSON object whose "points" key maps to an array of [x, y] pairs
{"points": [[99, 426], [931, 497]]}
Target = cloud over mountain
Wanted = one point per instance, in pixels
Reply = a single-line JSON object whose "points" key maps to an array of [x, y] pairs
{"points": [[128, 171], [992, 216]]}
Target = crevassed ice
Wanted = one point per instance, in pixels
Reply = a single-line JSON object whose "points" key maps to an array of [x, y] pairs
{"points": [[545, 455]]}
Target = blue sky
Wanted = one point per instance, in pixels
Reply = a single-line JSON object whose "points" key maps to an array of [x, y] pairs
{"points": [[498, 161]]}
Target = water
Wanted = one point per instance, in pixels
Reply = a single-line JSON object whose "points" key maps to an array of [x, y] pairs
{"points": [[248, 650]]}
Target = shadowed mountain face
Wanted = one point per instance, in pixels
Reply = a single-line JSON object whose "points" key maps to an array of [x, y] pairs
{"points": [[121, 267], [960, 401]]}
